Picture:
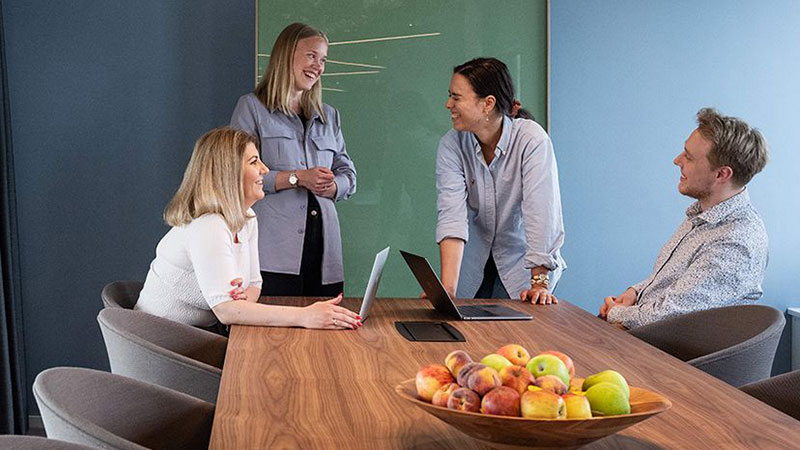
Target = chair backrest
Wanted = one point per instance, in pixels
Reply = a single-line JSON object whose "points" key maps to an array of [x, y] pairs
{"points": [[121, 294], [735, 343], [782, 392], [104, 410], [12, 442], [163, 352]]}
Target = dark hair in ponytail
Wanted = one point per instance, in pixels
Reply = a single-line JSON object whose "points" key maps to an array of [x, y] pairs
{"points": [[490, 76]]}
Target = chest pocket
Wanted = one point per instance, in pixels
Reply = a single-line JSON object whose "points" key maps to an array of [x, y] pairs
{"points": [[280, 149], [325, 150]]}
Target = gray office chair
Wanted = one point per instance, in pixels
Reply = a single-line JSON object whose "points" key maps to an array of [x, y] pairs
{"points": [[108, 411], [735, 344], [121, 294], [12, 442], [163, 352], [782, 392]]}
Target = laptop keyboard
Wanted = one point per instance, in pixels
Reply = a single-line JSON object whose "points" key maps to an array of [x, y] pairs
{"points": [[472, 311]]}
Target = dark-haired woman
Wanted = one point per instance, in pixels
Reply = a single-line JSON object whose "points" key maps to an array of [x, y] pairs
{"points": [[499, 228], [300, 245]]}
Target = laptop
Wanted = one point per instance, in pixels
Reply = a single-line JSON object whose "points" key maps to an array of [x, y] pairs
{"points": [[441, 301], [372, 284]]}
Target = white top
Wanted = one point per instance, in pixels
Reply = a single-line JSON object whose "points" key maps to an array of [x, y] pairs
{"points": [[194, 266]]}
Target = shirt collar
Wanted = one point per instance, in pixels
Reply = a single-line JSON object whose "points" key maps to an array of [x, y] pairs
{"points": [[720, 210], [505, 138]]}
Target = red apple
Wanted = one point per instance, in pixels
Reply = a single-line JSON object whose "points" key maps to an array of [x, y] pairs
{"points": [[483, 380], [430, 378], [443, 393], [456, 360], [551, 383], [501, 401], [515, 353], [516, 377], [542, 405], [463, 399], [461, 378], [567, 360]]}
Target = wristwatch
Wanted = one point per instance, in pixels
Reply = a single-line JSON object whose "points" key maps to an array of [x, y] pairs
{"points": [[292, 179]]}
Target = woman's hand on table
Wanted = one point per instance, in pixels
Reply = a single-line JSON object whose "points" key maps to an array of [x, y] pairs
{"points": [[538, 295], [328, 315]]}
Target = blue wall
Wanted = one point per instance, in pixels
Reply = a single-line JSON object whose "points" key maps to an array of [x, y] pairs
{"points": [[107, 99], [627, 79]]}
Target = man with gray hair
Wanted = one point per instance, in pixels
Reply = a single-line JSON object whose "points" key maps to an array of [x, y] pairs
{"points": [[718, 255]]}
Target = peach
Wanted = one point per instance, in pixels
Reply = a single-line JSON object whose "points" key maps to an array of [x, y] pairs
{"points": [[430, 378], [551, 383], [483, 380], [456, 360], [463, 399], [443, 393], [501, 401], [464, 372]]}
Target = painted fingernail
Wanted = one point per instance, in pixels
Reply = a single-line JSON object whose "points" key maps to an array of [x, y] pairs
{"points": [[358, 317], [358, 323]]}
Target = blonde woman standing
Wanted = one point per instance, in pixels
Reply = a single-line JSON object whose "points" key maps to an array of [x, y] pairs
{"points": [[301, 140], [206, 267]]}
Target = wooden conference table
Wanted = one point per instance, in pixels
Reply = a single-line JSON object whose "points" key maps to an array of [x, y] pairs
{"points": [[298, 388]]}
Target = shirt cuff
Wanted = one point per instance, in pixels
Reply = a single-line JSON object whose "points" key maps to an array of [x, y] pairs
{"points": [[541, 259], [269, 182], [458, 230], [622, 315], [342, 187]]}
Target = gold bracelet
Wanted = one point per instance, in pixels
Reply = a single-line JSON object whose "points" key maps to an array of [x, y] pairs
{"points": [[540, 279]]}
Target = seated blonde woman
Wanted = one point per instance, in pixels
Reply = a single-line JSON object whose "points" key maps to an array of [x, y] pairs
{"points": [[206, 267]]}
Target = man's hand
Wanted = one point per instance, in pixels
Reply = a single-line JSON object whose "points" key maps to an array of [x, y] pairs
{"points": [[627, 298], [608, 303], [318, 180]]}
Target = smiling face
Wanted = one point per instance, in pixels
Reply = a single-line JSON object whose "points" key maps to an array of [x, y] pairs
{"points": [[698, 178], [253, 176], [467, 110], [308, 63]]}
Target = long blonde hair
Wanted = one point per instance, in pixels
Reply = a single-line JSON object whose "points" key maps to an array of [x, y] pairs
{"points": [[212, 183], [275, 88]]}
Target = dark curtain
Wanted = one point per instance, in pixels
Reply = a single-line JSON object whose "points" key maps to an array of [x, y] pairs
{"points": [[13, 414]]}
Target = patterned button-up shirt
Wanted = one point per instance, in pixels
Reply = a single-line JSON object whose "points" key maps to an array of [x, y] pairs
{"points": [[716, 258]]}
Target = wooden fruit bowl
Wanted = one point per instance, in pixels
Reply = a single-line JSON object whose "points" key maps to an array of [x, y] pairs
{"points": [[517, 431]]}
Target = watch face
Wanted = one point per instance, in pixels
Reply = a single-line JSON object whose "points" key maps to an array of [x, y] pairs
{"points": [[292, 179]]}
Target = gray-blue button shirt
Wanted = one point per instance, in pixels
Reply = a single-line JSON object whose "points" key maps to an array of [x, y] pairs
{"points": [[286, 144], [511, 207]]}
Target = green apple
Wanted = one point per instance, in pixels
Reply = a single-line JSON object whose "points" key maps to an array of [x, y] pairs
{"points": [[578, 406], [608, 399], [541, 365], [607, 376], [495, 361]]}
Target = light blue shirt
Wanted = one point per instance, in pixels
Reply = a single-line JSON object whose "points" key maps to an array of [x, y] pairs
{"points": [[511, 207], [286, 144]]}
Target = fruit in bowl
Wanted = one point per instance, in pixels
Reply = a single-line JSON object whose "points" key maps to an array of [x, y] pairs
{"points": [[463, 399], [430, 378], [542, 404], [539, 404]]}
